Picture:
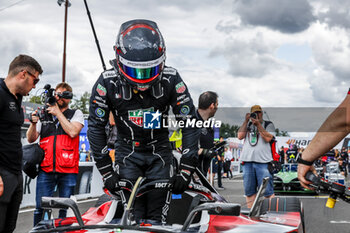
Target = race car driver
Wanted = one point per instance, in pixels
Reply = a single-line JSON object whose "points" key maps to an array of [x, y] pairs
{"points": [[139, 90]]}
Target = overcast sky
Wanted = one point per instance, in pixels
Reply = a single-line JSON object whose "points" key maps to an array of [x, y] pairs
{"points": [[276, 53]]}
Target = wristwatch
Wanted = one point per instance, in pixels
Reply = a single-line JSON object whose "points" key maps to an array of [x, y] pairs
{"points": [[308, 163]]}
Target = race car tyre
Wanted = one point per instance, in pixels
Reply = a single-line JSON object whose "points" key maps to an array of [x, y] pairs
{"points": [[102, 199], [85, 180], [283, 204]]}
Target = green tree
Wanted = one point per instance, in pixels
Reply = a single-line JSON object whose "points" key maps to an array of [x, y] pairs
{"points": [[281, 133], [82, 103], [35, 99], [227, 130]]}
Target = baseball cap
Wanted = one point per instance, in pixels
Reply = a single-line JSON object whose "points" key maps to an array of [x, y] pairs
{"points": [[255, 108]]}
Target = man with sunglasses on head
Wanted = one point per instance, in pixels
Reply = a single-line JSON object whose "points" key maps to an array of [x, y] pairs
{"points": [[139, 84], [256, 153], [22, 76], [58, 130]]}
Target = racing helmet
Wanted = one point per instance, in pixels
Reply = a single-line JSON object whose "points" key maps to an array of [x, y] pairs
{"points": [[293, 147], [140, 53]]}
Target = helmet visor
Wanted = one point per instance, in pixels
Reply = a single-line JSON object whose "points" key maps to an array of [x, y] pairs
{"points": [[141, 72]]}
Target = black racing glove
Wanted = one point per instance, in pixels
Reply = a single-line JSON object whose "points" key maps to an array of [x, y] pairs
{"points": [[111, 183], [181, 181], [110, 177]]}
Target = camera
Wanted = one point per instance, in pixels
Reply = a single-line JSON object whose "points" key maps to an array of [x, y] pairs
{"points": [[250, 124], [253, 115], [47, 97], [65, 95]]}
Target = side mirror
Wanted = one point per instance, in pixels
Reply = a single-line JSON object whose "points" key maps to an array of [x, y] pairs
{"points": [[62, 203], [228, 209]]}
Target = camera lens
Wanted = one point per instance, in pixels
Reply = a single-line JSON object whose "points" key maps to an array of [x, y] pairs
{"points": [[253, 115], [51, 100]]}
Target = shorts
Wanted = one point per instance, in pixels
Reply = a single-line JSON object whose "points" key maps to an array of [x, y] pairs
{"points": [[253, 174]]}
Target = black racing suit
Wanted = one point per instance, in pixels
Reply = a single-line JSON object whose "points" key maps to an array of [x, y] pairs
{"points": [[292, 155], [140, 151]]}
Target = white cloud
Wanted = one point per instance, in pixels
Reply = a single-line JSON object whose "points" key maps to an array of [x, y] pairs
{"points": [[214, 46], [334, 13], [282, 15]]}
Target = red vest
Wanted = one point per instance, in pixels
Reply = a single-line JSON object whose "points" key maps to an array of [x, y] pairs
{"points": [[61, 151]]}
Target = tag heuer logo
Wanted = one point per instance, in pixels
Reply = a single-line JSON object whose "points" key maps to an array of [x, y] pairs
{"points": [[101, 90], [180, 87], [136, 116]]}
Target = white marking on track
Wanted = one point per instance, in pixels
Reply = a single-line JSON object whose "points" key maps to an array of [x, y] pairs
{"points": [[340, 222]]}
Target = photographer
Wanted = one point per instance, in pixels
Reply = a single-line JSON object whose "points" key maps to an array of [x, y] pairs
{"points": [[256, 153], [59, 128]]}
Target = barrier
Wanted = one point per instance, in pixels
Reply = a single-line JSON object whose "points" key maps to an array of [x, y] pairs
{"points": [[89, 185]]}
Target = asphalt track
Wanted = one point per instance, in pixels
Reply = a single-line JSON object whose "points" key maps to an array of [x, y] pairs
{"points": [[318, 218]]}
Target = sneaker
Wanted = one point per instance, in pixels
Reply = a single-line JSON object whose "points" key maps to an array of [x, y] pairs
{"points": [[220, 188]]}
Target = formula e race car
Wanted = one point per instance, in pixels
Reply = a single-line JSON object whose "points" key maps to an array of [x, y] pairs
{"points": [[286, 180], [199, 209]]}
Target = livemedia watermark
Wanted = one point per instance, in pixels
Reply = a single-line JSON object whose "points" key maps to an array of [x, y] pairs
{"points": [[155, 120]]}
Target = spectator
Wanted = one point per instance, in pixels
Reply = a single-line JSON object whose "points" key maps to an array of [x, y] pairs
{"points": [[227, 166], [207, 106], [140, 83], [344, 155], [23, 75], [337, 154], [330, 155], [292, 153], [282, 155], [214, 167], [58, 129], [331, 132], [221, 161], [342, 167], [256, 153]]}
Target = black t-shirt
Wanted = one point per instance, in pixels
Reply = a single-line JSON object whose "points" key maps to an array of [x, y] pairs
{"points": [[11, 120], [344, 156], [206, 140]]}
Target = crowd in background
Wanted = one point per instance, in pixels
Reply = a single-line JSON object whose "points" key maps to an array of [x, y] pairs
{"points": [[294, 152]]}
